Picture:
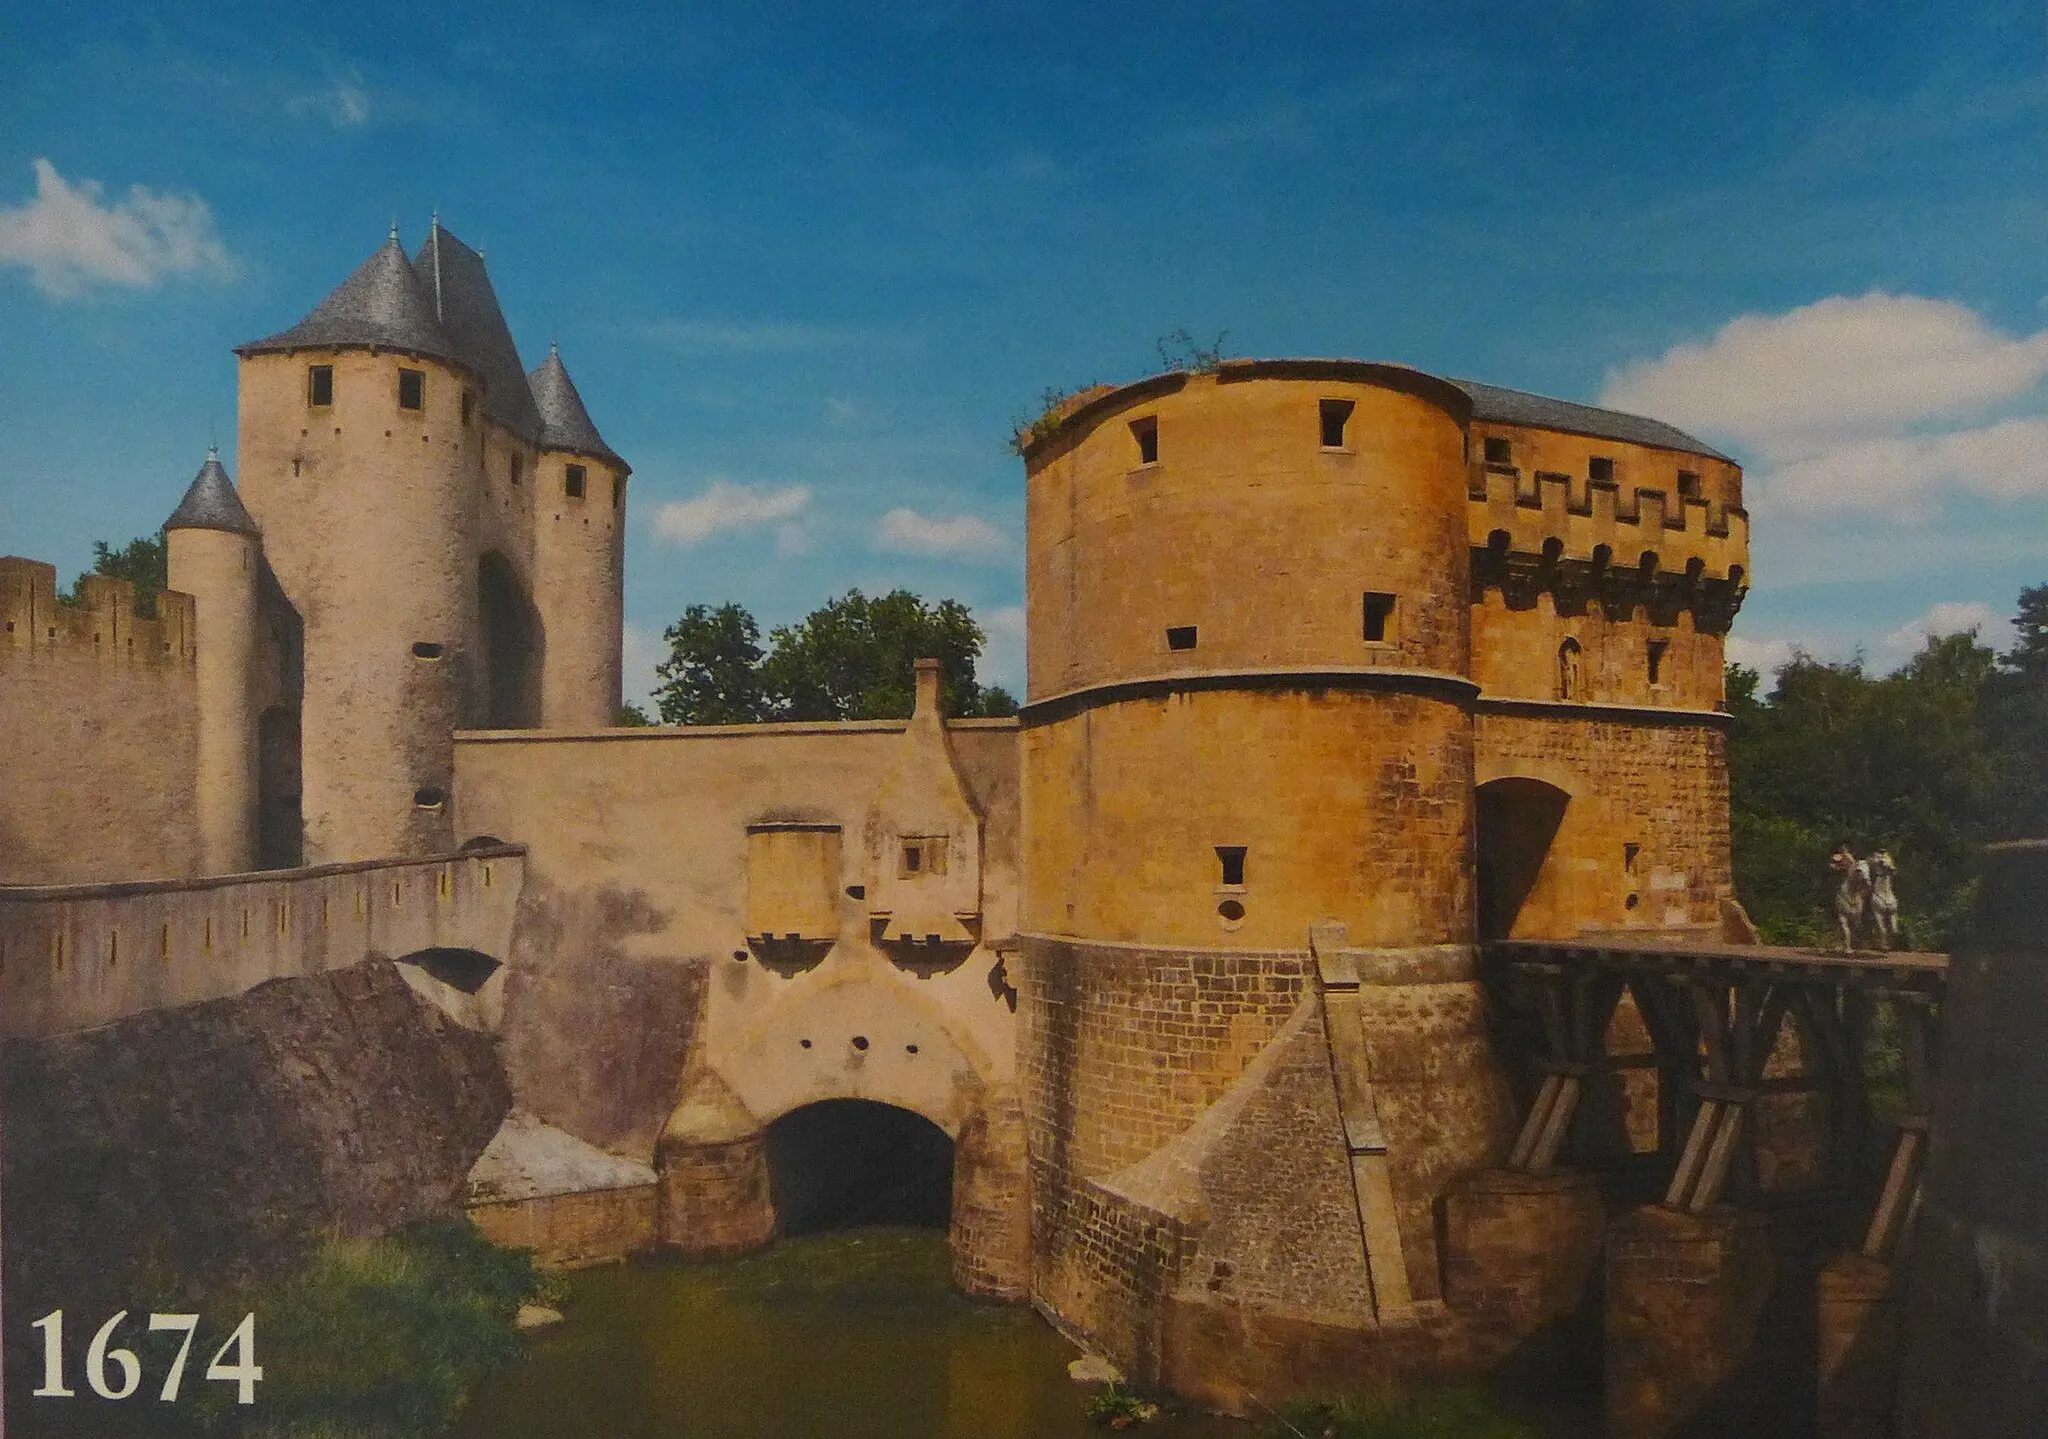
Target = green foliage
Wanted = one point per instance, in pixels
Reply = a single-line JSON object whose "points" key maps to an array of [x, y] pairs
{"points": [[1931, 762], [631, 716], [379, 1339], [1116, 1407], [1178, 350], [144, 561], [712, 674], [1427, 1414], [1028, 430], [852, 658]]}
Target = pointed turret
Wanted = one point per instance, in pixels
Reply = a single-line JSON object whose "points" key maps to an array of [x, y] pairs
{"points": [[459, 292], [216, 556], [211, 502], [561, 410], [382, 305]]}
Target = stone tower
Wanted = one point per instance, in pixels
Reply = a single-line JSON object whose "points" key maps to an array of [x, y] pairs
{"points": [[1249, 716], [216, 556], [360, 449], [579, 556]]}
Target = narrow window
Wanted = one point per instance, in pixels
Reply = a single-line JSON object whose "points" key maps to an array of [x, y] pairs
{"points": [[1657, 649], [1570, 683], [1231, 857], [512, 467], [319, 384], [1336, 414], [1688, 485], [1146, 433], [572, 479], [426, 650], [412, 389], [922, 854], [1499, 451], [618, 492], [1600, 468], [468, 408], [1180, 637], [1628, 857], [1379, 613]]}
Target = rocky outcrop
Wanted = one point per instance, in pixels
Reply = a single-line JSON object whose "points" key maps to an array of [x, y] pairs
{"points": [[190, 1148]]}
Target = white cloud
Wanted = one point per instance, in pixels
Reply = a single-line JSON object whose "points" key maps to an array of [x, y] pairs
{"points": [[1950, 617], [1878, 405], [69, 240], [726, 506], [1763, 656], [344, 103], [955, 537]]}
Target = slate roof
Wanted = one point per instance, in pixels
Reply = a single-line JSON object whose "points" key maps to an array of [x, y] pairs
{"points": [[1517, 407], [381, 304], [459, 288], [568, 425], [211, 502]]}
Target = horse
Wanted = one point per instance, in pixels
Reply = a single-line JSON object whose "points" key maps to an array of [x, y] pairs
{"points": [[1852, 893], [1884, 905]]}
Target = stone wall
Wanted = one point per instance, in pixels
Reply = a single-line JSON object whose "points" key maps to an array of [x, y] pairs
{"points": [[101, 714], [187, 1148]]}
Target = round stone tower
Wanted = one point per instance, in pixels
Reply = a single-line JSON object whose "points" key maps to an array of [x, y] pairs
{"points": [[216, 556], [360, 444], [1249, 717], [579, 556]]}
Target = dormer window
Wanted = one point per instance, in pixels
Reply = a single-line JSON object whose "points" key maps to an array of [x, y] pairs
{"points": [[572, 481], [412, 389], [320, 385]]}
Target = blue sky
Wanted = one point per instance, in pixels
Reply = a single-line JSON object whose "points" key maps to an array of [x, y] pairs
{"points": [[807, 268]]}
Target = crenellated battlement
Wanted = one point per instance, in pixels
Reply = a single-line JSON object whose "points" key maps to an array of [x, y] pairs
{"points": [[1582, 539], [102, 625]]}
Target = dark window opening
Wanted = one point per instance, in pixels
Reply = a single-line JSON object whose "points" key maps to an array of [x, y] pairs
{"points": [[572, 480], [1379, 611], [924, 854], [1146, 433], [468, 408], [320, 384], [512, 467], [426, 650], [1180, 637], [412, 389], [1657, 649], [428, 797], [1335, 413], [1600, 468], [1628, 857], [1499, 451], [843, 1163], [618, 493], [1688, 485], [856, 891], [1231, 911], [1232, 858]]}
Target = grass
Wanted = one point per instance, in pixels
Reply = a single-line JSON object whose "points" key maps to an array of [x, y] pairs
{"points": [[1426, 1414]]}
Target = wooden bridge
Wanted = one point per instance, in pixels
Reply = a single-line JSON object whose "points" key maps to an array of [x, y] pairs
{"points": [[1727, 1027]]}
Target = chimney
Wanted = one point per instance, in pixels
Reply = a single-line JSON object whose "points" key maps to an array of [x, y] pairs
{"points": [[927, 690]]}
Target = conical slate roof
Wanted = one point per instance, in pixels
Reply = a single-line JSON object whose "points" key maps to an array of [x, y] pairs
{"points": [[1518, 407], [568, 423], [211, 503], [381, 304], [458, 289]]}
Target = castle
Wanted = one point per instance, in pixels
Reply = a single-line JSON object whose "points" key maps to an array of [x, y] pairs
{"points": [[1336, 669]]}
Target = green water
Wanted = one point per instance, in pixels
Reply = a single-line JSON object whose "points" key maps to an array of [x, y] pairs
{"points": [[849, 1335]]}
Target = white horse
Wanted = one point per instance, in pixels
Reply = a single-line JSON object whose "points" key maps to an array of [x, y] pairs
{"points": [[1852, 893], [1884, 905]]}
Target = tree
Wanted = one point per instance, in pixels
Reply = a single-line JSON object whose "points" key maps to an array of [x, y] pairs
{"points": [[2018, 706], [145, 562], [631, 716], [712, 674], [852, 658]]}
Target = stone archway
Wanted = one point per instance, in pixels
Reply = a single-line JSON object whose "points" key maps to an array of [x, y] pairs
{"points": [[848, 1163], [1518, 819]]}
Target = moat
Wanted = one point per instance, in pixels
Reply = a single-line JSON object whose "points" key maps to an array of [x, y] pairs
{"points": [[841, 1335]]}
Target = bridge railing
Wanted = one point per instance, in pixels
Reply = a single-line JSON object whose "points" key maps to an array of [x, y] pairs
{"points": [[1717, 1016], [74, 956]]}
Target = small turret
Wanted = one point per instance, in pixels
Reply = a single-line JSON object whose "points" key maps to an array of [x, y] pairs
{"points": [[579, 556], [216, 556]]}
